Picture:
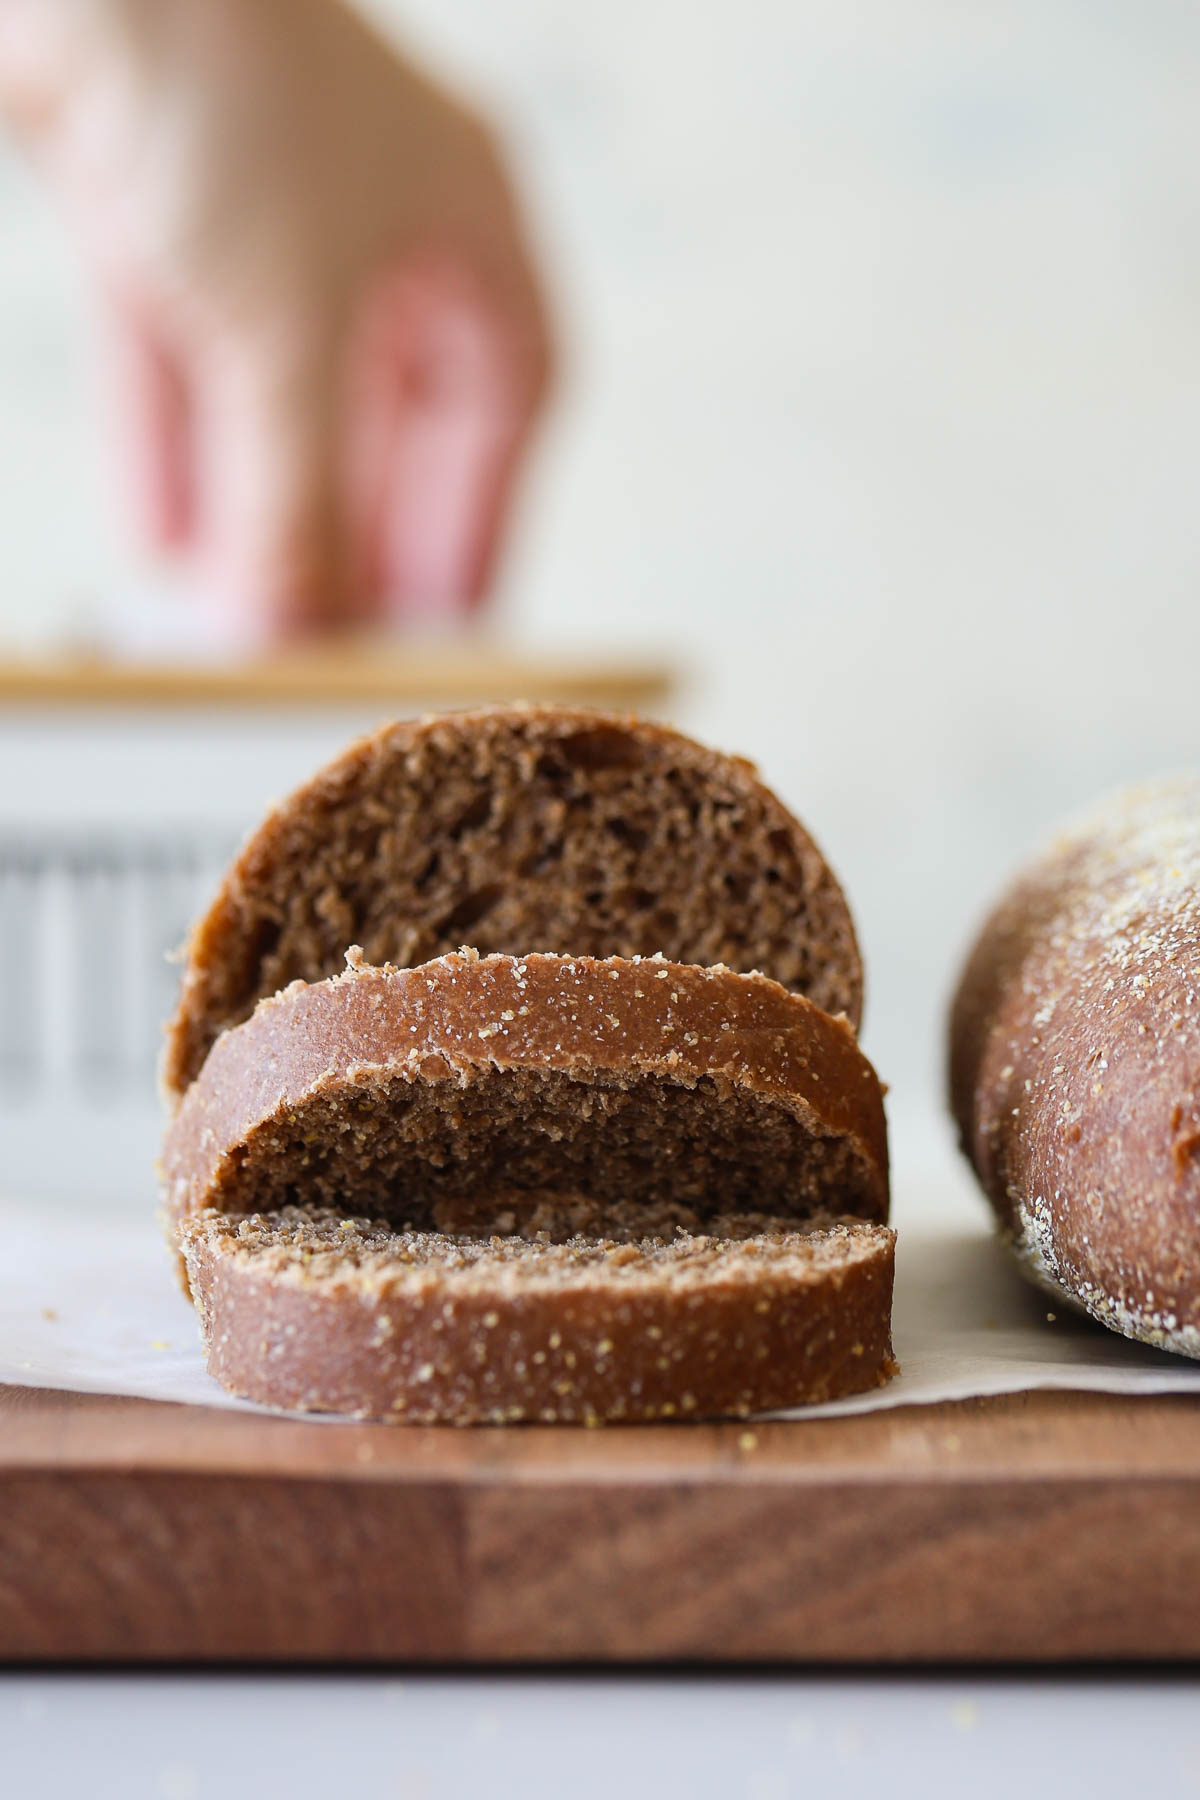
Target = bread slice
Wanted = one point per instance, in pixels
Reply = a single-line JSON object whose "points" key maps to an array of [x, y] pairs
{"points": [[517, 829], [388, 1093], [543, 1187], [318, 1312]]}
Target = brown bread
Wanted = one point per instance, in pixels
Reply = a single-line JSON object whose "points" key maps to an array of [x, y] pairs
{"points": [[1075, 1065], [517, 829], [615, 1151], [387, 1091], [316, 1312]]}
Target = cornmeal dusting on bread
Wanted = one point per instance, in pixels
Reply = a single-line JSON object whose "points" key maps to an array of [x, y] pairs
{"points": [[1076, 1065]]}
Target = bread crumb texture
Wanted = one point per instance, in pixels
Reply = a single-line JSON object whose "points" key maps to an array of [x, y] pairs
{"points": [[517, 829]]}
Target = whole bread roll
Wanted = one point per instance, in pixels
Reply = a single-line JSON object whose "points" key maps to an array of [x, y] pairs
{"points": [[1075, 1064], [517, 829]]}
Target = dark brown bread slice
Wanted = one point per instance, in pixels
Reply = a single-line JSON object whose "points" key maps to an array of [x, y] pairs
{"points": [[1075, 1064], [517, 829], [388, 1093], [318, 1312], [540, 1188]]}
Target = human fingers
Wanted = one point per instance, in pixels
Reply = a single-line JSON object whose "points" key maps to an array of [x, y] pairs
{"points": [[150, 404], [275, 548], [447, 392]]}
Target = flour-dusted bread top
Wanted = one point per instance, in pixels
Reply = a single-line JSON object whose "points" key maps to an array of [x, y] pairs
{"points": [[517, 829], [323, 1312], [393, 1093], [1075, 1063]]}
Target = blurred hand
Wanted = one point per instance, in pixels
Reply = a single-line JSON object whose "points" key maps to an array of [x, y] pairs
{"points": [[329, 345]]}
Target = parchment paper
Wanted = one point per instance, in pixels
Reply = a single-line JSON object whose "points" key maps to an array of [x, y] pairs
{"points": [[89, 1302]]}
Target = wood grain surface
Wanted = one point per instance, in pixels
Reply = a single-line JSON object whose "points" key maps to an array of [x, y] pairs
{"points": [[386, 673], [1037, 1527]]}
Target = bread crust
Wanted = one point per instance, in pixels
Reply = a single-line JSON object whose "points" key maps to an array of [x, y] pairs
{"points": [[1075, 1064], [230, 960], [464, 1018], [313, 1313]]}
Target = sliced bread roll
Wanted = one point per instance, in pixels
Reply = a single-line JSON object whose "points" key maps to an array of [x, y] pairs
{"points": [[386, 1091], [517, 829], [469, 1140], [317, 1312], [1075, 1064]]}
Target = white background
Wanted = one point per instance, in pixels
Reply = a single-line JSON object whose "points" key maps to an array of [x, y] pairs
{"points": [[883, 338], [883, 332]]}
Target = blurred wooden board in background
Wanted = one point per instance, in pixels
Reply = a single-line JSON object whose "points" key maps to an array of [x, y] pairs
{"points": [[1041, 1527], [388, 672]]}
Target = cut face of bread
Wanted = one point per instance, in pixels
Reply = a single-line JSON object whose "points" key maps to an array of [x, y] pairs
{"points": [[518, 829], [395, 1093], [319, 1312]]}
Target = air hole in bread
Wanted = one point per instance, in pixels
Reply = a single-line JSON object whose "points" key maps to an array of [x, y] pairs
{"points": [[469, 911], [604, 747], [626, 833], [473, 816]]}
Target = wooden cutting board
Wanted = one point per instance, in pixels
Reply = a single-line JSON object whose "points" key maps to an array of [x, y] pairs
{"points": [[1035, 1527]]}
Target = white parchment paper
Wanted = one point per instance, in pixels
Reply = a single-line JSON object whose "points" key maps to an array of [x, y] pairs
{"points": [[89, 1303]]}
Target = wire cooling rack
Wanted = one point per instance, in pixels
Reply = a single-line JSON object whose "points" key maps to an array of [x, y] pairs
{"points": [[89, 926]]}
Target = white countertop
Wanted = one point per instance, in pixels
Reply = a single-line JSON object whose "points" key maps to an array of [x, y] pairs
{"points": [[760, 1736]]}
